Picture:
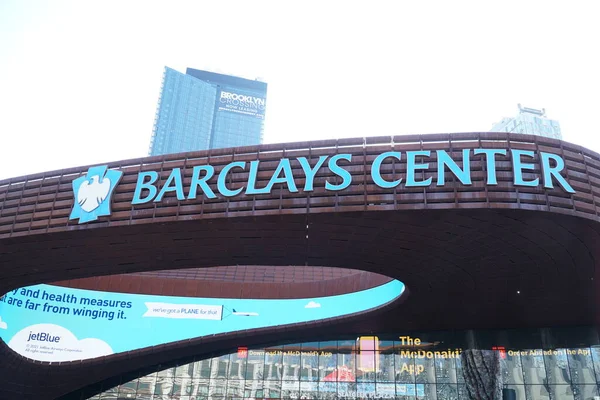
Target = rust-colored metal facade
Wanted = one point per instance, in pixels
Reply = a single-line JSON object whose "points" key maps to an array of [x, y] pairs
{"points": [[462, 251], [255, 282]]}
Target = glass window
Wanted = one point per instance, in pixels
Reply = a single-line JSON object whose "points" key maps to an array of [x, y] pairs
{"points": [[165, 381], [534, 369], [290, 389], [462, 393], [147, 385], [200, 388], [346, 390], [201, 369], [309, 390], [516, 392], [237, 365], [253, 389], [511, 366], [217, 388], [557, 367], [273, 364], [368, 345], [405, 364], [385, 365], [110, 394], [424, 369], [220, 367], [129, 388], [327, 389], [345, 370], [445, 369], [183, 380], [365, 360], [310, 361], [255, 364], [585, 392], [385, 391], [405, 390], [365, 389], [595, 353], [367, 368], [581, 366], [328, 361], [460, 378], [425, 392], [536, 392], [235, 388], [272, 389], [291, 362], [561, 392], [446, 391]]}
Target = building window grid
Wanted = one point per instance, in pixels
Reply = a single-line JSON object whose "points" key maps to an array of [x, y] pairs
{"points": [[548, 390], [195, 130], [175, 383]]}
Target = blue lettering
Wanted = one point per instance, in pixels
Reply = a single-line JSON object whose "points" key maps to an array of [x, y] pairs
{"points": [[141, 185], [201, 182], [444, 160], [252, 179], [43, 337], [175, 176], [221, 181], [551, 164], [310, 172], [550, 172], [490, 163], [411, 167], [519, 166], [339, 171], [287, 178], [376, 170]]}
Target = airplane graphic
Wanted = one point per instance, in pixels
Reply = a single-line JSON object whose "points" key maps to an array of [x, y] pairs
{"points": [[244, 313]]}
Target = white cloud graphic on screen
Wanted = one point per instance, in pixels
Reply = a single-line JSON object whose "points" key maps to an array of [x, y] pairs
{"points": [[3, 325], [312, 304], [67, 348]]}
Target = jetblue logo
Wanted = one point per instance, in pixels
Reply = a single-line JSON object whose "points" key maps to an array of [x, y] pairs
{"points": [[93, 192], [43, 337]]}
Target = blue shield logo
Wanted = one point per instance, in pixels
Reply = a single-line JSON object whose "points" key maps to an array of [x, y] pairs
{"points": [[93, 192]]}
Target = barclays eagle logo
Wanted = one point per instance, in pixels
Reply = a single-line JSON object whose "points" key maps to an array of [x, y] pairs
{"points": [[92, 193]]}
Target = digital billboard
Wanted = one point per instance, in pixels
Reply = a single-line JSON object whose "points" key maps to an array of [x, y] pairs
{"points": [[52, 323]]}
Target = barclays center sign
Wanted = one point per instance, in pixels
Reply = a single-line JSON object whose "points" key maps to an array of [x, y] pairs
{"points": [[93, 191]]}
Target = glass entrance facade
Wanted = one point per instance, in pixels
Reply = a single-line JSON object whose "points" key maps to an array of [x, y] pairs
{"points": [[549, 364]]}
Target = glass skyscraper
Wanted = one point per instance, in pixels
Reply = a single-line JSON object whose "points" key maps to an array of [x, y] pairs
{"points": [[202, 110], [530, 121]]}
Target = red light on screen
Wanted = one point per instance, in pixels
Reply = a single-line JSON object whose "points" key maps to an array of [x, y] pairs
{"points": [[502, 351], [242, 352]]}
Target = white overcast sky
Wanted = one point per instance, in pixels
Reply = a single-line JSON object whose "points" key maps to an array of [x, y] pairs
{"points": [[80, 80]]}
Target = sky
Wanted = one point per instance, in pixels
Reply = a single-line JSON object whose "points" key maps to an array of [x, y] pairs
{"points": [[80, 81]]}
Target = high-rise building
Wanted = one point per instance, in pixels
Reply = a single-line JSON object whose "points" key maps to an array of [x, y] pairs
{"points": [[530, 121], [202, 110]]}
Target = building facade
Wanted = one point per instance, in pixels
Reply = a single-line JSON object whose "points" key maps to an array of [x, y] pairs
{"points": [[530, 121], [202, 110], [390, 369], [438, 267]]}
